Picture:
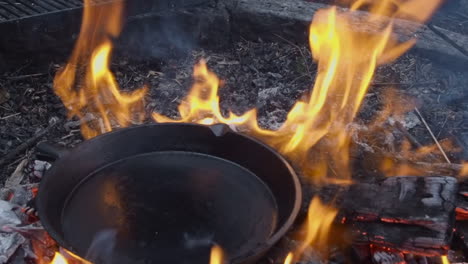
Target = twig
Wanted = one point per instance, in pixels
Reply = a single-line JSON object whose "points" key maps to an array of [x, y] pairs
{"points": [[435, 168], [300, 51], [448, 39], [28, 143], [452, 166], [402, 84], [407, 134], [432, 135], [8, 116], [443, 125], [22, 77], [461, 14], [17, 176]]}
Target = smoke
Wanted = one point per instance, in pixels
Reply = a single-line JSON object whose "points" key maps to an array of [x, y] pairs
{"points": [[102, 247], [159, 37], [196, 241]]}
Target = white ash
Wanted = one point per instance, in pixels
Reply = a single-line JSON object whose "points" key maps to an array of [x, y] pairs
{"points": [[75, 124], [408, 121], [17, 175], [7, 215], [39, 168], [9, 243], [10, 239], [15, 229], [266, 95], [356, 128], [274, 119]]}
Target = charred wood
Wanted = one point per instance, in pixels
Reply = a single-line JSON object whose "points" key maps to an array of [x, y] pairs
{"points": [[28, 143], [407, 214]]}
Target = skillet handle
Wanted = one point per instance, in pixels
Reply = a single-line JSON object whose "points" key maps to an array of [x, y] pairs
{"points": [[49, 152]]}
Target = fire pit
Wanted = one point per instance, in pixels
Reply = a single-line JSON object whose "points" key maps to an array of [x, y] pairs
{"points": [[169, 192], [186, 155]]}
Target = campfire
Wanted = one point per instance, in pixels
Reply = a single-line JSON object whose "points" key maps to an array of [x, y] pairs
{"points": [[338, 179]]}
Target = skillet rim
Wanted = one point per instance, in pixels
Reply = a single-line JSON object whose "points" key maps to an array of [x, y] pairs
{"points": [[254, 253]]}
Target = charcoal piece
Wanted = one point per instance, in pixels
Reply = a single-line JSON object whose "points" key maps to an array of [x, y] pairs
{"points": [[409, 214], [387, 257]]}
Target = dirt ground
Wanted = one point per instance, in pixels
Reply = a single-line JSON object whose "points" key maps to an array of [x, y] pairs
{"points": [[269, 76]]}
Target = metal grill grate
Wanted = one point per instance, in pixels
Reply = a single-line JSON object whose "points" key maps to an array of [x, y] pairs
{"points": [[11, 10]]}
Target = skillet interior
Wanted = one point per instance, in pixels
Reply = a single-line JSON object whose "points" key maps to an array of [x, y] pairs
{"points": [[169, 206], [72, 167]]}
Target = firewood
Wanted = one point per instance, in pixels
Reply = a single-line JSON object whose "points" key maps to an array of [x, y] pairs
{"points": [[409, 214], [263, 18]]}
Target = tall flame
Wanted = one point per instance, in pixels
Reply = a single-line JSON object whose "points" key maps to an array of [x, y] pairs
{"points": [[320, 218], [87, 86], [346, 60], [346, 64]]}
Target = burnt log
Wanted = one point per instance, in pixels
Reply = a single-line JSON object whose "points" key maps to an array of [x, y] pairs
{"points": [[408, 214], [290, 19]]}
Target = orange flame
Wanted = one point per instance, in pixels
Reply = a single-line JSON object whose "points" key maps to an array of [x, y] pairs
{"points": [[87, 86], [317, 227], [202, 102], [346, 64], [67, 257], [346, 60], [216, 255], [59, 259], [289, 258], [464, 170]]}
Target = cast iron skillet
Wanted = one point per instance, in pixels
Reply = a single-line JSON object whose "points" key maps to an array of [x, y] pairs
{"points": [[165, 193]]}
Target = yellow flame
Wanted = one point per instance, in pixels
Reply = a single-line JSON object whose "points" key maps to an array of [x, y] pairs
{"points": [[289, 258], [86, 84], [464, 170], [346, 61], [445, 260], [59, 259], [318, 225], [72, 256], [202, 102], [216, 255]]}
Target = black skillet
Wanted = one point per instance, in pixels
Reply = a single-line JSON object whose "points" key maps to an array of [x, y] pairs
{"points": [[165, 193]]}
